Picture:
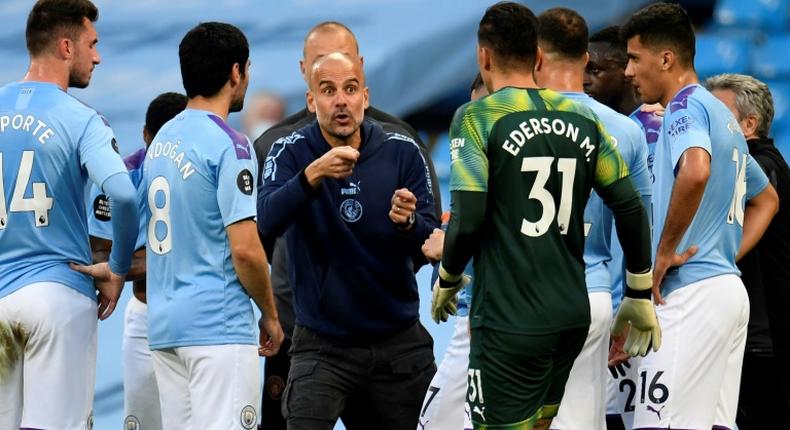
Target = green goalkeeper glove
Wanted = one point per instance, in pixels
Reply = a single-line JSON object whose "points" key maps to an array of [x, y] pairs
{"points": [[638, 311], [445, 290]]}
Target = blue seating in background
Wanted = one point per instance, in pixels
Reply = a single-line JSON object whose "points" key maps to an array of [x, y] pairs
{"points": [[770, 15], [780, 90], [717, 53], [771, 60]]}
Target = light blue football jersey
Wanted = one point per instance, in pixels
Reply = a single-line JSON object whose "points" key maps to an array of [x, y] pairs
{"points": [[695, 118], [99, 219], [50, 144], [598, 219], [198, 174], [650, 124]]}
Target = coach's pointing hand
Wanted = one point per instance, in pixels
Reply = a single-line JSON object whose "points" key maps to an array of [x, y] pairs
{"points": [[337, 163], [108, 283]]}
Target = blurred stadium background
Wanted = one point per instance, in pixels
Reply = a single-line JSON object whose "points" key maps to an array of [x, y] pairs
{"points": [[419, 62]]}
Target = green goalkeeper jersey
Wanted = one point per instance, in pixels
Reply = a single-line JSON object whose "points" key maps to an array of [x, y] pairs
{"points": [[536, 155]]}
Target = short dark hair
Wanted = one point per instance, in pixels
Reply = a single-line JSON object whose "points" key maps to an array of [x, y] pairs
{"points": [[208, 53], [510, 30], [563, 31], [611, 36], [52, 19], [663, 25], [162, 109], [477, 83]]}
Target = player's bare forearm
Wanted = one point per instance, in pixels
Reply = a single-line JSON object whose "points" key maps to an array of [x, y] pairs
{"points": [[101, 253], [251, 265], [462, 239], [687, 192], [758, 214]]}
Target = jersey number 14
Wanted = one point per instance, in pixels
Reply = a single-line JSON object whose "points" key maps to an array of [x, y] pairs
{"points": [[40, 204]]}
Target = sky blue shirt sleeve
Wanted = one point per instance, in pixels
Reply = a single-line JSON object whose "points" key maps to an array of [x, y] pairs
{"points": [[637, 167], [235, 186], [688, 128], [96, 150], [99, 217], [756, 179]]}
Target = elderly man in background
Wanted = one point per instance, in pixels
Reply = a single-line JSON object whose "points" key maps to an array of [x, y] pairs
{"points": [[765, 385]]}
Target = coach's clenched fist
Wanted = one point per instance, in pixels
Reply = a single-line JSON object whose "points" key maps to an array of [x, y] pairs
{"points": [[337, 163], [404, 204]]}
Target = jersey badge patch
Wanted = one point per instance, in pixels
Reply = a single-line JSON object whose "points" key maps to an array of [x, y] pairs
{"points": [[101, 208], [351, 210], [131, 423], [248, 416], [244, 182]]}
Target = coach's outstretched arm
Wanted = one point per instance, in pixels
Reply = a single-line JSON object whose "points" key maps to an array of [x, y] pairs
{"points": [[253, 271], [633, 230]]}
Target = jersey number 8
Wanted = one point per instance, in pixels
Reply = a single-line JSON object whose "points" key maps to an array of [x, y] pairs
{"points": [[159, 214]]}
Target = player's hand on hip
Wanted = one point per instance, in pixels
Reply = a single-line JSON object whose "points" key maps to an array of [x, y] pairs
{"points": [[403, 206], [108, 284], [433, 246], [644, 332], [337, 163], [271, 336], [664, 262]]}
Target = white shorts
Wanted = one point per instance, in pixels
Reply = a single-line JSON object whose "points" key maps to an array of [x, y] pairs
{"points": [[208, 387], [47, 358], [444, 404], [584, 401], [140, 391], [692, 382], [621, 393]]}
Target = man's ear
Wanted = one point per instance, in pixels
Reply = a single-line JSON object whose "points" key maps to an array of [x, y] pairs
{"points": [[668, 59], [484, 58], [366, 97], [538, 60], [65, 48], [235, 75], [749, 125], [310, 101]]}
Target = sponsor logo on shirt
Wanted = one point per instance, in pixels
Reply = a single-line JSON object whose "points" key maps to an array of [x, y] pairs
{"points": [[680, 126], [353, 189]]}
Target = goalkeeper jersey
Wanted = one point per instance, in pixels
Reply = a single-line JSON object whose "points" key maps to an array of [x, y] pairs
{"points": [[537, 155]]}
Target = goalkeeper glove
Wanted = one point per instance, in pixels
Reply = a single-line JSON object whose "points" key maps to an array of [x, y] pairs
{"points": [[445, 301], [638, 311]]}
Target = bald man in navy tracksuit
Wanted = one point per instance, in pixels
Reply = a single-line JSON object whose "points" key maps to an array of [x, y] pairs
{"points": [[352, 236]]}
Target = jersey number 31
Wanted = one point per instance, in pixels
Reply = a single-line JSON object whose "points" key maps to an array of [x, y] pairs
{"points": [[542, 165]]}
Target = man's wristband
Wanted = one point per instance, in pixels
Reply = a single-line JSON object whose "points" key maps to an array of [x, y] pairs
{"points": [[447, 280], [639, 285]]}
